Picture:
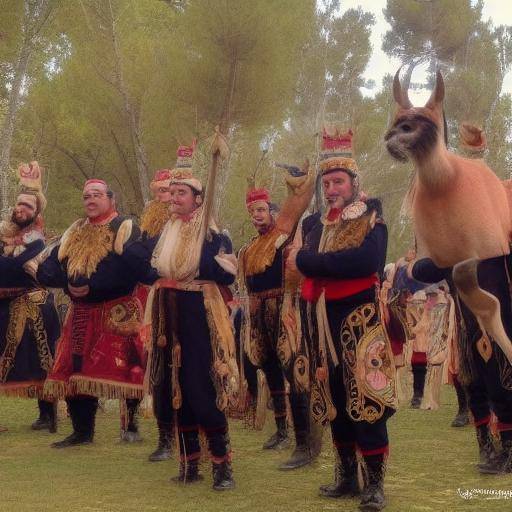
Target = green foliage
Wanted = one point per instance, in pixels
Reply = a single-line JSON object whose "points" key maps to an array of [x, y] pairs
{"points": [[268, 72]]}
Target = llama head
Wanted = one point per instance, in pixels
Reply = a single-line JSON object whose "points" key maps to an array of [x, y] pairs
{"points": [[416, 131]]}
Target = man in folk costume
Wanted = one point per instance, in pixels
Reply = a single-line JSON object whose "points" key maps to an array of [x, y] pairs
{"points": [[29, 325], [99, 353], [192, 351], [271, 339], [343, 254]]}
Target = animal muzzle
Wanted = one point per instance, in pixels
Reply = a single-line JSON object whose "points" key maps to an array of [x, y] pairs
{"points": [[395, 148]]}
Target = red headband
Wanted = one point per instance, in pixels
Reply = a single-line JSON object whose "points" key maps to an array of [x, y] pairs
{"points": [[93, 181], [257, 194]]}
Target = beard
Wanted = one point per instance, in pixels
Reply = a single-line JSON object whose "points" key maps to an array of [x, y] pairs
{"points": [[154, 217], [22, 223]]}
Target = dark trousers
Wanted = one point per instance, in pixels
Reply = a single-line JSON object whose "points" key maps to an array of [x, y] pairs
{"points": [[370, 438], [162, 401], [82, 410], [487, 389], [199, 397]]}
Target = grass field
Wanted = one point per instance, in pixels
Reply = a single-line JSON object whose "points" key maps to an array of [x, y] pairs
{"points": [[429, 462]]}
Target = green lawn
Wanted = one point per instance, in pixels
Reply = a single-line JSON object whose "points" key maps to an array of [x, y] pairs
{"points": [[429, 461]]}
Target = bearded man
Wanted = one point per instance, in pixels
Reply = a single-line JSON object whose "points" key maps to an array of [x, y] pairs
{"points": [[100, 352], [29, 325], [343, 253]]}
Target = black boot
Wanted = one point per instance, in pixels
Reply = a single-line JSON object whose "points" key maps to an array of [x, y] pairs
{"points": [[131, 433], [345, 475], [222, 476], [501, 462], [163, 450], [418, 384], [489, 462], [280, 439], [372, 497], [302, 455], [189, 472], [47, 417], [506, 455], [220, 449], [462, 417], [83, 414]]}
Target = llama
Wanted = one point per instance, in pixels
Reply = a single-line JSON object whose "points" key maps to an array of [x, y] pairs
{"points": [[459, 207]]}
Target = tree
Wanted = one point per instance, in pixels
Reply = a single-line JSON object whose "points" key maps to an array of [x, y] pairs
{"points": [[30, 17]]}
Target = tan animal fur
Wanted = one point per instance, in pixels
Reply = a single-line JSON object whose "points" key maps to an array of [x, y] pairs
{"points": [[460, 208]]}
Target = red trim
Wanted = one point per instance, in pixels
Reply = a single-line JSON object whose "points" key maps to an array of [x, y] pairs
{"points": [[419, 358], [93, 181], [483, 421], [105, 218], [192, 456], [333, 214], [219, 460], [502, 427], [335, 289], [377, 451]]}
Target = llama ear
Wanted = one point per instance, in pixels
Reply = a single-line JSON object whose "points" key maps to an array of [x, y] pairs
{"points": [[401, 96], [437, 96]]}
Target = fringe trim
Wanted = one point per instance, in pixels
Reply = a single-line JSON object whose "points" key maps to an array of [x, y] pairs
{"points": [[55, 389], [101, 388], [108, 389], [30, 389]]}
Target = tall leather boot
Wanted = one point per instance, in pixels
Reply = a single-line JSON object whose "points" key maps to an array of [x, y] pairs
{"points": [[188, 472], [222, 474], [501, 462], [131, 433], [82, 411], [488, 454], [374, 469], [419, 371], [462, 417], [302, 455], [345, 474], [163, 450], [280, 438], [506, 454], [47, 417], [218, 442], [190, 453]]}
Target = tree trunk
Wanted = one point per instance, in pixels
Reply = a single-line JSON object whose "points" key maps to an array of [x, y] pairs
{"points": [[10, 122], [225, 128], [35, 16], [135, 131]]}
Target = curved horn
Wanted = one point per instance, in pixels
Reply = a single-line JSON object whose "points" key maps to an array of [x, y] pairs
{"points": [[398, 93], [437, 96]]}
